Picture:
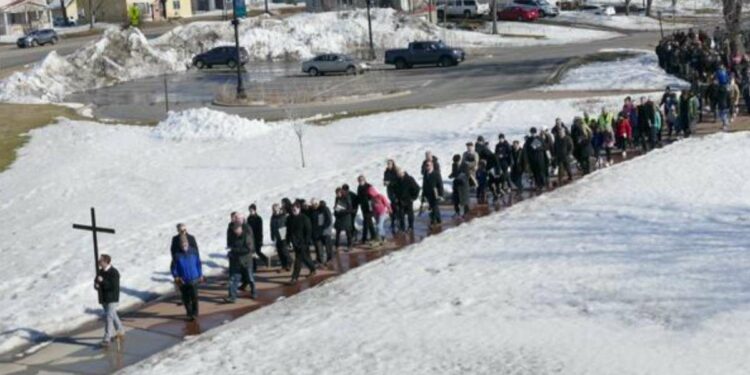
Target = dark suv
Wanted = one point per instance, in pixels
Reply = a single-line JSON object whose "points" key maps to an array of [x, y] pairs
{"points": [[37, 38], [220, 56]]}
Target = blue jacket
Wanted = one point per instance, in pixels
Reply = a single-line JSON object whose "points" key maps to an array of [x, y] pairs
{"points": [[187, 266]]}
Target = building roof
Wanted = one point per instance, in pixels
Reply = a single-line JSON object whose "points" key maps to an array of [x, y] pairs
{"points": [[15, 6]]}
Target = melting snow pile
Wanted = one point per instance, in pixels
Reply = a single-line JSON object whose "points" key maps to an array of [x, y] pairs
{"points": [[117, 57], [303, 35], [635, 73], [208, 125]]}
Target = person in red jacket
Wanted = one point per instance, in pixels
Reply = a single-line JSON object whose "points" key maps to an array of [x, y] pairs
{"points": [[623, 134]]}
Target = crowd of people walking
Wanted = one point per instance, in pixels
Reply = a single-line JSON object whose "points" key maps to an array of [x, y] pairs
{"points": [[310, 232], [718, 78]]}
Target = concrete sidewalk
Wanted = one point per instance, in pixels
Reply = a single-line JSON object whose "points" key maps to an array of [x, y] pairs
{"points": [[161, 324]]}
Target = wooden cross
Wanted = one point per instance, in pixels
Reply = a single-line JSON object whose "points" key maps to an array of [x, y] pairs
{"points": [[94, 229]]}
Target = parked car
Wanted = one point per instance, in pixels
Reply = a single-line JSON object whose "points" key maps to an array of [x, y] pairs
{"points": [[424, 53], [333, 63], [461, 8], [516, 13], [599, 10], [226, 55], [37, 38], [544, 8], [59, 21]]}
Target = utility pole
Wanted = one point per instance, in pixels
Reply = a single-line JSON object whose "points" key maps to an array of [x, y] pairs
{"points": [[239, 11], [369, 30], [661, 29], [91, 15], [494, 17], [166, 94], [266, 3]]}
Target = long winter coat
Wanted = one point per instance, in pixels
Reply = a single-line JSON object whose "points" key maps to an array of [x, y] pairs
{"points": [[342, 210], [298, 231]]}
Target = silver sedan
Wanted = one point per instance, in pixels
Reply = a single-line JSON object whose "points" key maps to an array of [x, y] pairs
{"points": [[333, 63]]}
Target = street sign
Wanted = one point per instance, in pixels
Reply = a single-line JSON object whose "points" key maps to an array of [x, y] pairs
{"points": [[240, 9]]}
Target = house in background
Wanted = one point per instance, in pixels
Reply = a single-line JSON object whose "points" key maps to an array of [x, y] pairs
{"points": [[20, 16], [211, 5], [116, 11], [71, 10]]}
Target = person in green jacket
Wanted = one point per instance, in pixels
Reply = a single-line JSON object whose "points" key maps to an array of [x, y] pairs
{"points": [[604, 129]]}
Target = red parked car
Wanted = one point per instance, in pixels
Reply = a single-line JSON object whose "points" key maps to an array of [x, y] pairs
{"points": [[513, 13]]}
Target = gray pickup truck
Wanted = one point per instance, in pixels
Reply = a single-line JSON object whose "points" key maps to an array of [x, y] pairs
{"points": [[424, 53]]}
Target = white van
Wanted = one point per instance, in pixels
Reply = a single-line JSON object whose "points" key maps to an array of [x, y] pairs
{"points": [[461, 8]]}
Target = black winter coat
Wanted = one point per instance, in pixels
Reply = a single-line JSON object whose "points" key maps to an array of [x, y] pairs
{"points": [[278, 221], [406, 190], [255, 222], [364, 199], [432, 186], [322, 222], [241, 251], [298, 231], [109, 287], [342, 210], [563, 147]]}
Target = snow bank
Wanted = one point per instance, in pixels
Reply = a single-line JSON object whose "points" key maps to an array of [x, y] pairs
{"points": [[208, 125], [636, 73], [142, 186], [304, 35], [622, 22], [642, 268], [117, 57]]}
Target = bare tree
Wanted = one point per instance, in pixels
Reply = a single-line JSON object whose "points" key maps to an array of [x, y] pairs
{"points": [[648, 7], [627, 7], [299, 130], [732, 11]]}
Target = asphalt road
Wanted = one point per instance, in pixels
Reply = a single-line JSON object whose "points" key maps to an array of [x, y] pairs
{"points": [[494, 73]]}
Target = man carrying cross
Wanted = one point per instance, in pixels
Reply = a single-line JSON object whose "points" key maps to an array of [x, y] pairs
{"points": [[108, 284]]}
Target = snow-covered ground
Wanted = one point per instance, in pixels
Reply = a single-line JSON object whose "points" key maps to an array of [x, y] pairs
{"points": [[633, 22], [635, 73], [642, 268], [144, 180], [681, 7], [122, 56]]}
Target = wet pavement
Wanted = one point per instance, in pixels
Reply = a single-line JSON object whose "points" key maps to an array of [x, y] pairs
{"points": [[161, 324]]}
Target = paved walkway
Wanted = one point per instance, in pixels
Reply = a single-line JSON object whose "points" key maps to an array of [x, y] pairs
{"points": [[161, 324]]}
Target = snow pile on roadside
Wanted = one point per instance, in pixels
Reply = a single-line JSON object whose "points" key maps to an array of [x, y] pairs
{"points": [[303, 35], [635, 73], [208, 125], [692, 7], [632, 22], [117, 57], [589, 279], [142, 186], [523, 32]]}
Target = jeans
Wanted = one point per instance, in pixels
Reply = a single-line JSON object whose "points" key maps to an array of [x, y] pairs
{"points": [[236, 277], [381, 226], [724, 115], [113, 320], [323, 249]]}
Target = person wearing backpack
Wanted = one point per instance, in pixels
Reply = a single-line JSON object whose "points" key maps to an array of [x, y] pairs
{"points": [[535, 159], [406, 191]]}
